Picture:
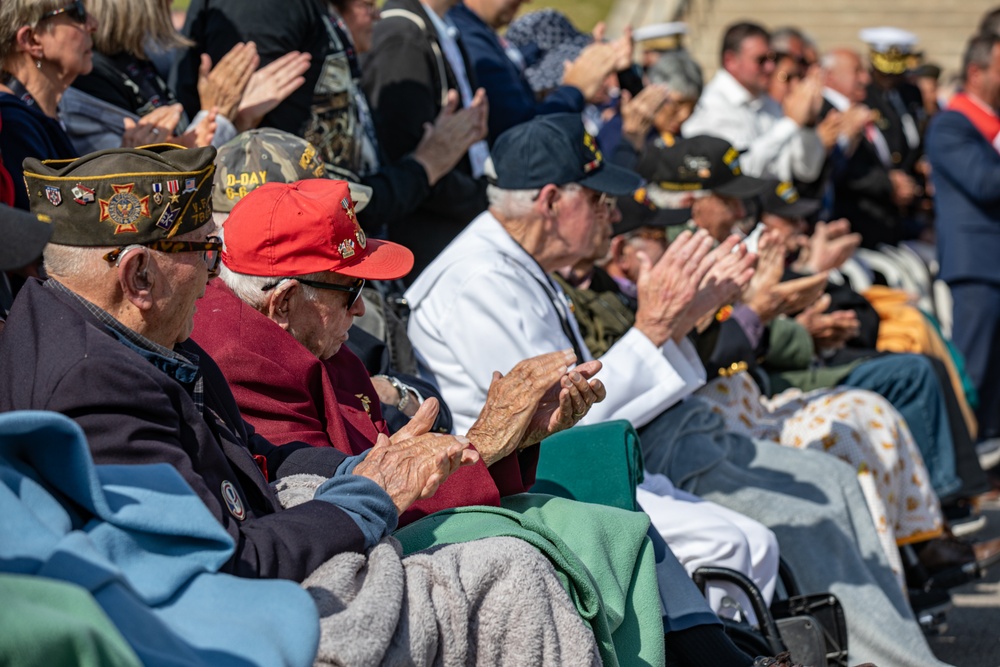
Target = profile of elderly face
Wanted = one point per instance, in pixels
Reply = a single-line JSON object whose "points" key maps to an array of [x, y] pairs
{"points": [[53, 38], [314, 314]]}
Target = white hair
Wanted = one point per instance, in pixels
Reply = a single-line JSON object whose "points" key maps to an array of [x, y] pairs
{"points": [[250, 289], [76, 262], [511, 203]]}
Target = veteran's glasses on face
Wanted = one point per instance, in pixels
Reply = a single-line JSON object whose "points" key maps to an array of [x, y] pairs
{"points": [[603, 203], [353, 290], [75, 11], [210, 249]]}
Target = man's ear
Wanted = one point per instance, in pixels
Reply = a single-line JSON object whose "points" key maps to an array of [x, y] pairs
{"points": [[136, 277], [281, 301], [547, 198]]}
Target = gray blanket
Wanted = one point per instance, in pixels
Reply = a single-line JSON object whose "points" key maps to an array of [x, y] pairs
{"points": [[490, 602]]}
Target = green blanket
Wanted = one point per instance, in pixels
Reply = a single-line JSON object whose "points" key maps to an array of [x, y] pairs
{"points": [[601, 555]]}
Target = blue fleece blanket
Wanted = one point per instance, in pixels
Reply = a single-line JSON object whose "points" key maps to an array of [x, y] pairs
{"points": [[147, 549]]}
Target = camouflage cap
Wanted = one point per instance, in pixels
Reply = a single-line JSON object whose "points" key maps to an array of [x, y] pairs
{"points": [[267, 155], [123, 196]]}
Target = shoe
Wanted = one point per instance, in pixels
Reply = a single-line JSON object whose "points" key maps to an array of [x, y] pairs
{"points": [[987, 553], [988, 452], [944, 553], [961, 518]]}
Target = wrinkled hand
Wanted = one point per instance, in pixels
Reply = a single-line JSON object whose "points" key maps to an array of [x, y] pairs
{"points": [[269, 86], [412, 469], [830, 128], [221, 87], [665, 290], [730, 270], [803, 102], [454, 130], [421, 421], [156, 127], [759, 295], [638, 112], [588, 72], [856, 119], [538, 397], [904, 188], [830, 331], [830, 245]]}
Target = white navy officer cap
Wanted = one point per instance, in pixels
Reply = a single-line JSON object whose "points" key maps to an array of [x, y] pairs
{"points": [[890, 48], [661, 36]]}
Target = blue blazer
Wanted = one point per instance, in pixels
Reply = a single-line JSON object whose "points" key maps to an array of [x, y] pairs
{"points": [[512, 101], [966, 177]]}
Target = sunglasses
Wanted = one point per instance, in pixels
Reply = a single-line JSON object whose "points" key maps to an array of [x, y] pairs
{"points": [[768, 57], [210, 249], [75, 11], [353, 290]]}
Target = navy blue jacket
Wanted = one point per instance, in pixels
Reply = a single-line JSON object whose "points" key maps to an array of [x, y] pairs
{"points": [[512, 101], [55, 355], [966, 176]]}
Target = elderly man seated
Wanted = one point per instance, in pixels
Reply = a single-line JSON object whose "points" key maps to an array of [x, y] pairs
{"points": [[490, 290], [292, 271], [105, 342]]}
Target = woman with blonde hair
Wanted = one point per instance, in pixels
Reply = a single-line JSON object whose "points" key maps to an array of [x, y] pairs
{"points": [[44, 46]]}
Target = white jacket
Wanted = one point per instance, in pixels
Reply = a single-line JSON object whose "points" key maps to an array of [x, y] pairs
{"points": [[484, 304]]}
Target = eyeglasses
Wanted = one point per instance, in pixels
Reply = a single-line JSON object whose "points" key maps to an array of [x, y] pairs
{"points": [[602, 202], [75, 11], [354, 289], [785, 77], [210, 248], [768, 57]]}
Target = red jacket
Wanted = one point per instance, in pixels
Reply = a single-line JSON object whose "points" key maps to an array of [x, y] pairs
{"points": [[288, 395]]}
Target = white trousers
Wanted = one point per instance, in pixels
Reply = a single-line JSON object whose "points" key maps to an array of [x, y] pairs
{"points": [[701, 533]]}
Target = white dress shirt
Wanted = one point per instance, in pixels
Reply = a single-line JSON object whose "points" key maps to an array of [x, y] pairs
{"points": [[771, 144], [484, 304]]}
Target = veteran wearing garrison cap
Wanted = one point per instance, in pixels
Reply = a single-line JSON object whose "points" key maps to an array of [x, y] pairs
{"points": [[104, 341]]}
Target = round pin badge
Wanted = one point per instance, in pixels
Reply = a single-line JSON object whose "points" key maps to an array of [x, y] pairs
{"points": [[233, 501]]}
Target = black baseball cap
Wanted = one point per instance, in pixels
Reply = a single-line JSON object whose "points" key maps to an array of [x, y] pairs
{"points": [[638, 211], [24, 237], [783, 200], [556, 149], [697, 163]]}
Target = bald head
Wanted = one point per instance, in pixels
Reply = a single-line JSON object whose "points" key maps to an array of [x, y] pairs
{"points": [[844, 71]]}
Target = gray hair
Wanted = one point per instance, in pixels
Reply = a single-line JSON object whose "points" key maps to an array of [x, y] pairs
{"points": [[76, 262], [979, 52], [679, 71], [511, 203], [14, 15], [250, 289]]}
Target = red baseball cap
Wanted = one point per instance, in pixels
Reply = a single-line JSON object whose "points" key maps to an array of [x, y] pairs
{"points": [[294, 229]]}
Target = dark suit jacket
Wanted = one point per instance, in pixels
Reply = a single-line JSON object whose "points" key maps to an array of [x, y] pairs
{"points": [[402, 77], [863, 193], [966, 175], [56, 355]]}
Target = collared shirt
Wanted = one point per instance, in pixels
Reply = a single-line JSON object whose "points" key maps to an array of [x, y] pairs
{"points": [[485, 304], [448, 37], [182, 366], [771, 143]]}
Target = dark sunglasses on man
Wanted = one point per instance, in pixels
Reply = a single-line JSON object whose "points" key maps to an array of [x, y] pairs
{"points": [[353, 290], [75, 11]]}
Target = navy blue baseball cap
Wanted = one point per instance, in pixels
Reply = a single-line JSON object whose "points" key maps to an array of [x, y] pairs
{"points": [[556, 149]]}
